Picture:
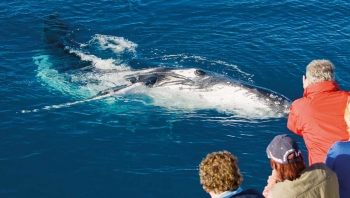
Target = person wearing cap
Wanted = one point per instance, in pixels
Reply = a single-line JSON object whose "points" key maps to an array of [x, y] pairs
{"points": [[220, 176], [290, 176], [338, 159], [318, 115]]}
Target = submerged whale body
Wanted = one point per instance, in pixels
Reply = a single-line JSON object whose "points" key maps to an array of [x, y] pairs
{"points": [[206, 88]]}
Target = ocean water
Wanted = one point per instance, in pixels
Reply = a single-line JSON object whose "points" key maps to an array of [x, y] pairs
{"points": [[149, 144]]}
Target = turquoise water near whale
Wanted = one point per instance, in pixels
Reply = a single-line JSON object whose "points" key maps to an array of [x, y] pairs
{"points": [[134, 145]]}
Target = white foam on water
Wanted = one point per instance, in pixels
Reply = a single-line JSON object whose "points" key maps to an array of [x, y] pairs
{"points": [[81, 84], [117, 44], [111, 46], [98, 62]]}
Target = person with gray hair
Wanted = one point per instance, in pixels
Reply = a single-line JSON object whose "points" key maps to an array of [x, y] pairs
{"points": [[319, 71], [318, 115]]}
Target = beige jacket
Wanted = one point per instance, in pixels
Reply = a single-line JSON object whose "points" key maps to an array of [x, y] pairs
{"points": [[315, 181]]}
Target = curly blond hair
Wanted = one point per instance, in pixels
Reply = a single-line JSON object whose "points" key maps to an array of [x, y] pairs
{"points": [[219, 172]]}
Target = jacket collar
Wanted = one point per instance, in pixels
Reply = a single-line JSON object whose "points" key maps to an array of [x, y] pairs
{"points": [[227, 194], [325, 86]]}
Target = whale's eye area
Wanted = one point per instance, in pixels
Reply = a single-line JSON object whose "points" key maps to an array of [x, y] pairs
{"points": [[199, 72]]}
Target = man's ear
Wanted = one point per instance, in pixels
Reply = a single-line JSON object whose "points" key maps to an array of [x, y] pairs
{"points": [[305, 82]]}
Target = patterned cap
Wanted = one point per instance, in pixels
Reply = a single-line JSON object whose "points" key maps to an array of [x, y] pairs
{"points": [[280, 147]]}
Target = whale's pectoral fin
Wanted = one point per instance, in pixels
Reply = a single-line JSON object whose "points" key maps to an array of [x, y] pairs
{"points": [[108, 92], [111, 90], [148, 81], [118, 90]]}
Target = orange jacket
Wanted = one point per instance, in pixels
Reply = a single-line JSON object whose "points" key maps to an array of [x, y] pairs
{"points": [[319, 117]]}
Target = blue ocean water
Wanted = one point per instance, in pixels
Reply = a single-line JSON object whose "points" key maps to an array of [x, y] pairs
{"points": [[140, 145]]}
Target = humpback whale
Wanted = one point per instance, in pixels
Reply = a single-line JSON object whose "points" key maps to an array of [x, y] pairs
{"points": [[204, 86], [211, 87]]}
